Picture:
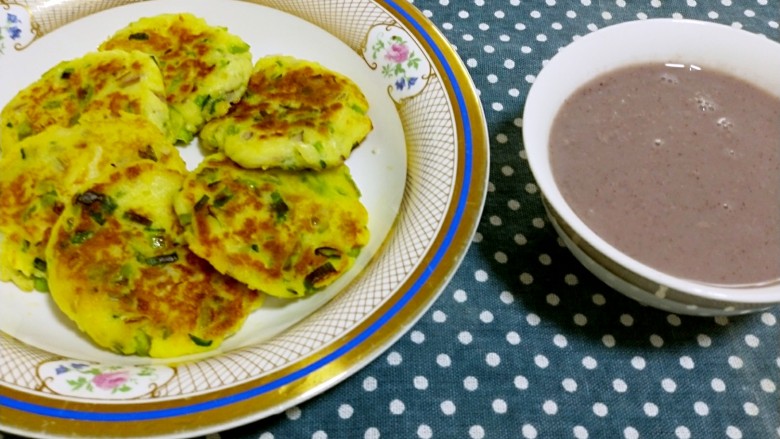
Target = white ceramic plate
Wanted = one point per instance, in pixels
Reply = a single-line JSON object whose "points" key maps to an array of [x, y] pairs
{"points": [[422, 173]]}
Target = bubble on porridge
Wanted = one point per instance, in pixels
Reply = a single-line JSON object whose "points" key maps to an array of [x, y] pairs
{"points": [[705, 103], [725, 123], [668, 78]]}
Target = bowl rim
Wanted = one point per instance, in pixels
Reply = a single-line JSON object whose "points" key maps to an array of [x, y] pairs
{"points": [[625, 36]]}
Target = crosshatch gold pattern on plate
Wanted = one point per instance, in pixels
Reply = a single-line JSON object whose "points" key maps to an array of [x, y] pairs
{"points": [[434, 140]]}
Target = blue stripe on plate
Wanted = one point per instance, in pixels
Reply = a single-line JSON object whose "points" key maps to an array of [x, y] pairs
{"points": [[352, 344]]}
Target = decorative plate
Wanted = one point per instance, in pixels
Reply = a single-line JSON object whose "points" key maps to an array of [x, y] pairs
{"points": [[423, 177]]}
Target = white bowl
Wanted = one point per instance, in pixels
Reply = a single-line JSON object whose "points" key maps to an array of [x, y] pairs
{"points": [[751, 57]]}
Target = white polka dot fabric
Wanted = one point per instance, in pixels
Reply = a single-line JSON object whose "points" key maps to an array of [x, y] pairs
{"points": [[524, 342]]}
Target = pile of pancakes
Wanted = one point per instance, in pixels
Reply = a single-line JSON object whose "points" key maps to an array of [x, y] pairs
{"points": [[97, 206]]}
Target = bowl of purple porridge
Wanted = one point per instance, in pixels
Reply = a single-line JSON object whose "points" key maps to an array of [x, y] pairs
{"points": [[656, 147]]}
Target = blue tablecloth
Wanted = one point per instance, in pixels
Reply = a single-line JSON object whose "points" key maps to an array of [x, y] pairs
{"points": [[524, 342]]}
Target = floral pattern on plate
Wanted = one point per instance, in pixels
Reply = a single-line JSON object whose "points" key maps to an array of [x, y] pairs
{"points": [[391, 51], [16, 28], [96, 381]]}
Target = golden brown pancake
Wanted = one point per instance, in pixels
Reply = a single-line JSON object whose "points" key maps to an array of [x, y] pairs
{"points": [[205, 68], [97, 86], [295, 114], [118, 267], [42, 173], [286, 233]]}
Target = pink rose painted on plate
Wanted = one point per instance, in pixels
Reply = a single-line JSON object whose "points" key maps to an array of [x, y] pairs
{"points": [[93, 380], [394, 54], [397, 52], [111, 380]]}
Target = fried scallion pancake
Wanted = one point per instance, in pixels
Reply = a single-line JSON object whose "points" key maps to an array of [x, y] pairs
{"points": [[295, 114], [42, 173], [205, 68], [119, 269], [99, 85], [285, 233]]}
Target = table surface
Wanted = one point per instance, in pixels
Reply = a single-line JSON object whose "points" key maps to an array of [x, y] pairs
{"points": [[524, 342]]}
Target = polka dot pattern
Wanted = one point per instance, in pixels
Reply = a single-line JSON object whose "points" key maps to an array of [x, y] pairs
{"points": [[524, 342]]}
